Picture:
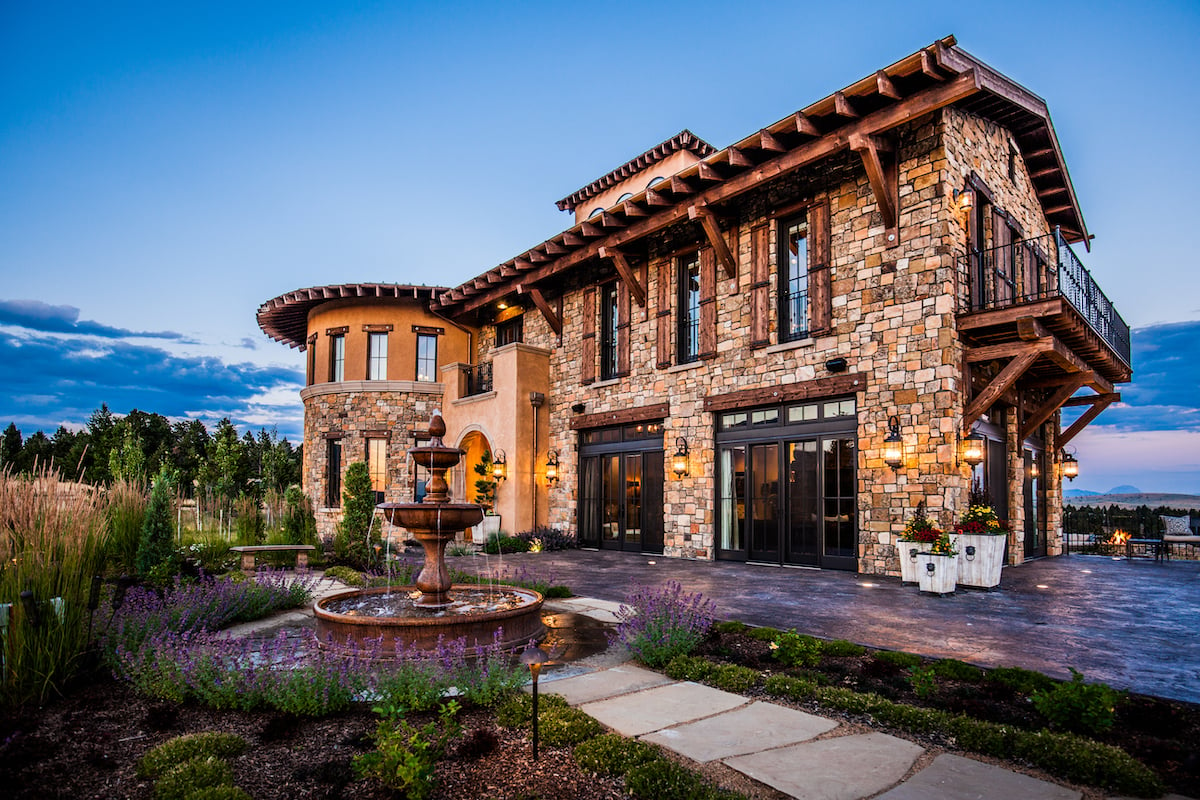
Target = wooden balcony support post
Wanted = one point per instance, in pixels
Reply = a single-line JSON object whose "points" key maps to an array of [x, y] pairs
{"points": [[1023, 357], [1052, 404], [553, 319], [1097, 404], [879, 159]]}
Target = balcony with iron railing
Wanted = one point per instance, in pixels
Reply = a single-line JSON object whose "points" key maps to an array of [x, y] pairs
{"points": [[1034, 272], [478, 379]]}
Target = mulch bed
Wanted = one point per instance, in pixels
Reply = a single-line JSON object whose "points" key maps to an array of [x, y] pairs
{"points": [[87, 745]]}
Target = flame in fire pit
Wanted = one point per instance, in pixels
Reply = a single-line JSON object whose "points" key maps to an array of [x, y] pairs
{"points": [[1118, 537]]}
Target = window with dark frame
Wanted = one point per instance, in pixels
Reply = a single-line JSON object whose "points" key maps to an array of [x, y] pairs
{"points": [[333, 473], [377, 354], [311, 376], [511, 330], [427, 357], [337, 358], [609, 320], [793, 279], [687, 337], [377, 466]]}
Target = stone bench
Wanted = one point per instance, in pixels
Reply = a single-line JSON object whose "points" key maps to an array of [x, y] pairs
{"points": [[248, 551]]}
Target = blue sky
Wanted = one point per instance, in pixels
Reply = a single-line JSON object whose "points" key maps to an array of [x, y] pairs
{"points": [[167, 167]]}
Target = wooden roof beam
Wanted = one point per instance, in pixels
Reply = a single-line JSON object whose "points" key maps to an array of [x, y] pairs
{"points": [[1003, 381], [632, 210], [769, 143], [929, 67], [535, 294], [842, 107], [656, 200], [590, 230], [1098, 404], [707, 172], [553, 248], [1052, 404], [679, 186], [713, 231], [879, 160], [627, 274], [879, 121], [607, 220], [573, 240], [805, 125], [884, 85]]}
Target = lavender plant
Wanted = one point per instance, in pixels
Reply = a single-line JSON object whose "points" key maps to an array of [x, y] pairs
{"points": [[658, 624]]}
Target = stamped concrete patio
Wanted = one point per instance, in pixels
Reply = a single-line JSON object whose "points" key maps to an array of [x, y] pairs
{"points": [[1131, 624]]}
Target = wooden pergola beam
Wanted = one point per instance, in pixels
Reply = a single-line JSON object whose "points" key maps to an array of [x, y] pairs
{"points": [[1052, 404], [737, 158], [842, 107], [998, 386], [1097, 402], [805, 125], [539, 300], [885, 87], [708, 221], [883, 175], [627, 274]]}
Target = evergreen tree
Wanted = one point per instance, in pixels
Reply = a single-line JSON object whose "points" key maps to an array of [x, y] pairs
{"points": [[36, 453], [101, 436], [62, 444], [358, 511], [158, 531], [189, 449], [221, 471], [10, 447], [299, 522]]}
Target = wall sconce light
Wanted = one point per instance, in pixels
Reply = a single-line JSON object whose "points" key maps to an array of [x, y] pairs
{"points": [[679, 462], [973, 449], [552, 466], [893, 445], [499, 466], [838, 364], [1070, 466], [1034, 470], [965, 198]]}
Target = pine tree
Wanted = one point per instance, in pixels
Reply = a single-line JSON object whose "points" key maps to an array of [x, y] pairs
{"points": [[10, 446], [158, 531]]}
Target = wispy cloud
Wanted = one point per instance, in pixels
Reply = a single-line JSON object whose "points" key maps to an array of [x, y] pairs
{"points": [[34, 315]]}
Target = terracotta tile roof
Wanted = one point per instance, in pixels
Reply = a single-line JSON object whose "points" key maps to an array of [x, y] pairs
{"points": [[285, 318]]}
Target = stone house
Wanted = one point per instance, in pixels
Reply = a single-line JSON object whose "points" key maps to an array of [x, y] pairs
{"points": [[769, 352]]}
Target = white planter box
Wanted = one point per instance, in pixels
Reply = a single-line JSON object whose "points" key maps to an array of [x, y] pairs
{"points": [[980, 559], [481, 532], [942, 578], [908, 561]]}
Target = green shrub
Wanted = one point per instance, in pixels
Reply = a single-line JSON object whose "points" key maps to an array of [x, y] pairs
{"points": [[499, 543], [796, 650], [791, 688], [158, 760], [347, 575], [923, 681], [219, 793], [299, 521], [840, 648], [954, 670], [566, 726], [662, 779], [733, 678], [1021, 681], [515, 710], [659, 624], [763, 634], [156, 545], [1087, 708], [350, 543], [405, 757], [689, 668], [557, 591], [200, 772], [613, 754], [897, 658], [248, 521], [732, 626]]}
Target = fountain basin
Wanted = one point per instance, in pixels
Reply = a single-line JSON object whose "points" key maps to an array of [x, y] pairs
{"points": [[417, 628]]}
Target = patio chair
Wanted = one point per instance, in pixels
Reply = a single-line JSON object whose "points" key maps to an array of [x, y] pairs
{"points": [[1177, 530]]}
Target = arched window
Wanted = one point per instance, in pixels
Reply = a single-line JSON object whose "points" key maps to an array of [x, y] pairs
{"points": [[595, 211], [655, 181], [624, 197]]}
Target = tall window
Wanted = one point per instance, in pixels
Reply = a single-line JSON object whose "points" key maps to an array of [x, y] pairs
{"points": [[426, 357], [609, 319], [377, 466], [333, 473], [311, 375], [688, 321], [793, 280], [377, 356], [509, 331], [337, 358]]}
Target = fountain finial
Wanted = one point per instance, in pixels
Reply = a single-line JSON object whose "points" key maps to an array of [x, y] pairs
{"points": [[437, 429]]}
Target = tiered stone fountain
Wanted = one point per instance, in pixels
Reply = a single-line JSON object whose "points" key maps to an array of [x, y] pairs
{"points": [[416, 616]]}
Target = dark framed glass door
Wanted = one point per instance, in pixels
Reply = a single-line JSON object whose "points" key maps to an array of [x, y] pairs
{"points": [[1035, 511], [621, 473]]}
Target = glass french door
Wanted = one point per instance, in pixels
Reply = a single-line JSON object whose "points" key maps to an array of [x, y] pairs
{"points": [[789, 502], [1035, 524], [621, 501]]}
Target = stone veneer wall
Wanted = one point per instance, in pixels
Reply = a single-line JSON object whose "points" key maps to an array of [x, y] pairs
{"points": [[359, 410], [894, 321]]}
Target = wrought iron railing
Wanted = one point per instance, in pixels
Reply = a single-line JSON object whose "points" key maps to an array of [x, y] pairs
{"points": [[479, 379], [1041, 268]]}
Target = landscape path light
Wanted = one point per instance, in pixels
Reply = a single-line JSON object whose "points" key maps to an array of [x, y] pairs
{"points": [[533, 657]]}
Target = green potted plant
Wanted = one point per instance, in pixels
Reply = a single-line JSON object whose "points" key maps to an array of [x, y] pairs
{"points": [[981, 540], [485, 496], [937, 565]]}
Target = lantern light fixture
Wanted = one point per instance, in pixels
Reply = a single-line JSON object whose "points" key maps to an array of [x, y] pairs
{"points": [[1070, 466], [973, 449], [552, 466], [679, 462], [499, 466], [893, 445], [964, 198], [533, 657]]}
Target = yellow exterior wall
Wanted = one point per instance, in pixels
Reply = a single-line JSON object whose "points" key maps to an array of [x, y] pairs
{"points": [[453, 345]]}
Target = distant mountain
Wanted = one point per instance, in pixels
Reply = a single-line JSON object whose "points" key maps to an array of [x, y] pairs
{"points": [[1124, 489], [1079, 493], [1132, 499]]}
